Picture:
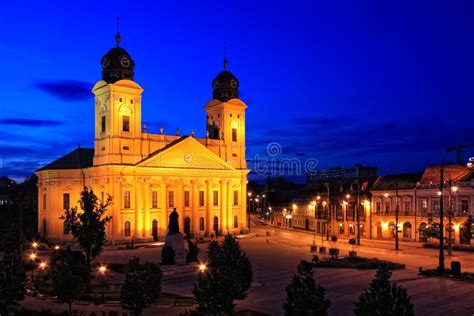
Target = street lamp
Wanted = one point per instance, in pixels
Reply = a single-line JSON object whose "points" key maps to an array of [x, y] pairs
{"points": [[102, 271], [202, 267], [34, 245]]}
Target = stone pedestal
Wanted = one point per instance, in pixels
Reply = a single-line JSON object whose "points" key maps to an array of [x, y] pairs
{"points": [[176, 241]]}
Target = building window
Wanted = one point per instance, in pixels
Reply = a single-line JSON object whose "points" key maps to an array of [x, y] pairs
{"points": [[216, 198], [234, 134], [44, 201], [464, 205], [407, 207], [201, 198], [424, 205], [387, 207], [126, 199], [154, 199], [126, 230], [378, 207], [201, 223], [171, 199], [65, 228], [436, 206], [126, 123], [186, 198], [236, 221], [66, 204], [102, 124], [236, 197]]}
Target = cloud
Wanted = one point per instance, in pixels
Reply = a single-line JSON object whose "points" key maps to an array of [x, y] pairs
{"points": [[64, 89], [30, 122]]}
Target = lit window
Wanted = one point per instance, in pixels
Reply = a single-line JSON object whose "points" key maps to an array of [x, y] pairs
{"points": [[236, 222], [464, 205], [126, 123], [66, 204], [216, 198], [126, 231], [201, 223], [236, 197], [234, 134], [201, 198], [170, 199], [44, 201], [186, 198], [126, 199], [154, 199]]}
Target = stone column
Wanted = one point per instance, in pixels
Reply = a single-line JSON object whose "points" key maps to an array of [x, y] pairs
{"points": [[163, 225], [243, 205], [223, 196], [138, 208], [179, 204], [146, 215], [209, 206], [117, 200], [195, 203], [230, 202]]}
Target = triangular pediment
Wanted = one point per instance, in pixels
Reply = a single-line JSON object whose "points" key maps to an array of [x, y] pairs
{"points": [[185, 153]]}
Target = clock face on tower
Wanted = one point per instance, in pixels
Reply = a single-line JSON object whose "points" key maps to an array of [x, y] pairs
{"points": [[188, 158], [233, 83], [125, 62], [105, 62]]}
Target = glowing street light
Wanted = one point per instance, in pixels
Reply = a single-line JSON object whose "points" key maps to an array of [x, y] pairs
{"points": [[439, 193], [42, 265], [318, 198], [103, 271], [348, 196], [202, 267], [34, 245], [57, 247], [33, 256], [454, 189], [386, 194]]}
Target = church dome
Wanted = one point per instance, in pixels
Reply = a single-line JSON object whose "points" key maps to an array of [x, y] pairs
{"points": [[225, 85], [117, 64]]}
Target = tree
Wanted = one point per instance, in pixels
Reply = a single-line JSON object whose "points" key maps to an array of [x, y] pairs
{"points": [[466, 230], [69, 275], [88, 226], [304, 296], [227, 277], [433, 229], [142, 286], [12, 272], [384, 298]]}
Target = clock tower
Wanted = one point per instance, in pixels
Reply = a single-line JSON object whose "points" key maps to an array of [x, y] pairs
{"points": [[225, 117], [117, 110]]}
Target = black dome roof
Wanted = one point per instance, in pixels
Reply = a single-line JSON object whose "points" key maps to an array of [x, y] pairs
{"points": [[225, 86], [117, 64]]}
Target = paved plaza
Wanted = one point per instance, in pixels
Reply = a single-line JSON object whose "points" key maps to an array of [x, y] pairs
{"points": [[274, 264]]}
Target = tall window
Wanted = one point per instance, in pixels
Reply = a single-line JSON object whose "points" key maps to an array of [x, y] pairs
{"points": [[236, 222], [201, 223], [171, 199], [424, 205], [378, 207], [201, 198], [154, 199], [66, 204], [102, 124], [464, 205], [407, 207], [126, 199], [435, 205], [126, 230], [216, 198], [236, 197], [186, 198], [387, 207], [126, 123], [44, 201], [234, 134]]}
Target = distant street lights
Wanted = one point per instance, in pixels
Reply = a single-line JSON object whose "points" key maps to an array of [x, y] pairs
{"points": [[102, 271]]}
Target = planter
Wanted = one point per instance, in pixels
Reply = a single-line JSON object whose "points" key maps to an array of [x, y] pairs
{"points": [[352, 254], [322, 249], [334, 252]]}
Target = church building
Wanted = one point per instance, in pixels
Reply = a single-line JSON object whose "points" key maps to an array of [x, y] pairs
{"points": [[148, 175]]}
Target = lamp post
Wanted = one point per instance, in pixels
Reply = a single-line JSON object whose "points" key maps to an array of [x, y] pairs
{"points": [[450, 215], [397, 210], [33, 259], [249, 195], [102, 271], [441, 221], [263, 203], [357, 212]]}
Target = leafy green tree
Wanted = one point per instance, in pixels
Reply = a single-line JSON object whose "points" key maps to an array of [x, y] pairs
{"points": [[142, 286], [384, 298], [88, 226], [304, 296], [69, 275], [433, 229], [466, 230], [12, 272], [227, 278]]}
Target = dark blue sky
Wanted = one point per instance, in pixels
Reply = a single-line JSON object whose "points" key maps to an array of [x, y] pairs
{"points": [[384, 83]]}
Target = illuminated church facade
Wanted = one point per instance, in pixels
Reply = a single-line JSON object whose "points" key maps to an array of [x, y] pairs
{"points": [[148, 175]]}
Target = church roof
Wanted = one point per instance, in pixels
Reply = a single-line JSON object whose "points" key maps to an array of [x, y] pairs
{"points": [[77, 159], [399, 181], [453, 172], [156, 152]]}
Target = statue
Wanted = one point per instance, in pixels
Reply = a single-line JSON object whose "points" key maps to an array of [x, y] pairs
{"points": [[173, 226], [174, 251]]}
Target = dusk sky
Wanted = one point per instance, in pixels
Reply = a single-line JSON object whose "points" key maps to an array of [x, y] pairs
{"points": [[383, 83]]}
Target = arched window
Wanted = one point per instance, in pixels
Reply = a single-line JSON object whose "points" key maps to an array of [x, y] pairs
{"points": [[201, 223], [127, 229], [236, 222]]}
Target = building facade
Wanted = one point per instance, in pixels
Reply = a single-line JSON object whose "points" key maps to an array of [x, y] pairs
{"points": [[148, 175]]}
